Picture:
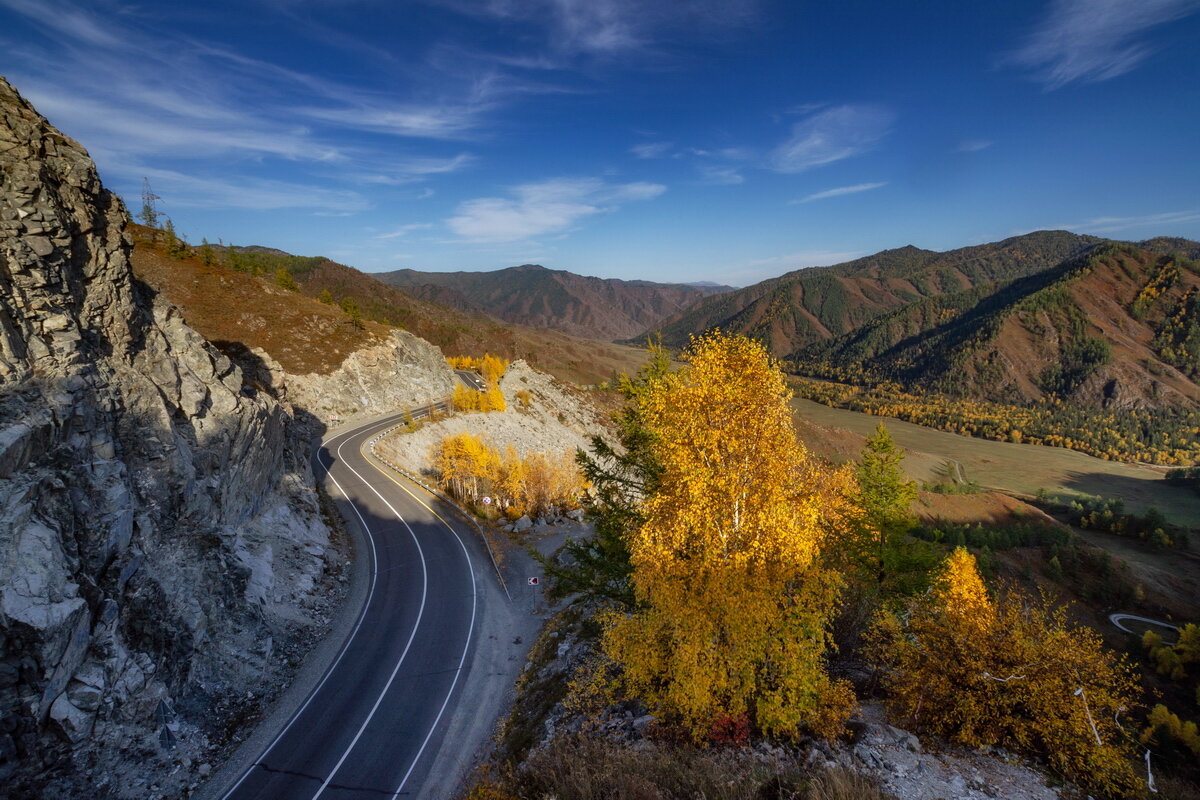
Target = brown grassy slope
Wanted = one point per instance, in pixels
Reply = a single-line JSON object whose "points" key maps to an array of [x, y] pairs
{"points": [[566, 357], [302, 334]]}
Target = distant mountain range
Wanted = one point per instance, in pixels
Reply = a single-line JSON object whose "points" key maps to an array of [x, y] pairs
{"points": [[1050, 314], [597, 308], [1117, 327], [810, 305]]}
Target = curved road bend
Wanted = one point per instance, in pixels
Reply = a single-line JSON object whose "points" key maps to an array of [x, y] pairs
{"points": [[374, 723]]}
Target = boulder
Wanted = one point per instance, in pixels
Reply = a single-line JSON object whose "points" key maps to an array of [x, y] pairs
{"points": [[74, 723]]}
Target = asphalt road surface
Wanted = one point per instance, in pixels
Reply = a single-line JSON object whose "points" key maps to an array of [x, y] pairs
{"points": [[472, 379], [374, 725]]}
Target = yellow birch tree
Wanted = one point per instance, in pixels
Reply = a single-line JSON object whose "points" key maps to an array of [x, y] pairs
{"points": [[733, 603]]}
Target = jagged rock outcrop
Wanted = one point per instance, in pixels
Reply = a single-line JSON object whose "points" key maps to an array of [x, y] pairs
{"points": [[159, 527], [401, 373]]}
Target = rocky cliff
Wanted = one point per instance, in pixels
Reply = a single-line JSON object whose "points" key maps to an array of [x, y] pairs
{"points": [[402, 372], [161, 545]]}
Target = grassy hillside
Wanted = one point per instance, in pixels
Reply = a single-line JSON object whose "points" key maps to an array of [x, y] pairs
{"points": [[271, 299], [227, 306], [801, 308], [598, 308]]}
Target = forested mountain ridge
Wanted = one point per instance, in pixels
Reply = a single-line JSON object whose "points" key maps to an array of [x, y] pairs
{"points": [[1118, 327], [810, 305], [597, 308]]}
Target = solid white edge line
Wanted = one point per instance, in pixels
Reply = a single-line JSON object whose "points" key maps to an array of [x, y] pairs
{"points": [[361, 614], [461, 661], [411, 636]]}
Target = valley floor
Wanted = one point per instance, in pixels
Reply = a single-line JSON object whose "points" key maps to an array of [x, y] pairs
{"points": [[1017, 468]]}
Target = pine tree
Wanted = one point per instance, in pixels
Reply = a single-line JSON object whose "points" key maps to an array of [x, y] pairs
{"points": [[885, 496], [176, 247], [351, 309], [207, 256], [284, 280]]}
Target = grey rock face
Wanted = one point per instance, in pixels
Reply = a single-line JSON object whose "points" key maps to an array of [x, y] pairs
{"points": [[158, 525], [404, 372]]}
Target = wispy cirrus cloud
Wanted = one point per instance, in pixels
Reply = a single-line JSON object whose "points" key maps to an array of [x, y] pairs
{"points": [[412, 170], [720, 175], [137, 91], [606, 28], [841, 190], [545, 207], [1114, 224], [260, 194], [404, 230], [1093, 40], [145, 128], [652, 149], [832, 135], [973, 145], [434, 121]]}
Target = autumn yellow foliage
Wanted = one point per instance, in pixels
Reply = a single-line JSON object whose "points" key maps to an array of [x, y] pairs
{"points": [[492, 369], [470, 469], [1162, 727], [733, 602], [1009, 671]]}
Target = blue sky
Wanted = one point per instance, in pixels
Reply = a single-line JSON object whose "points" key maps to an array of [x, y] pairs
{"points": [[725, 140]]}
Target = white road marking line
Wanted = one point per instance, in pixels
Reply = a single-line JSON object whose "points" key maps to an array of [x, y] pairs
{"points": [[407, 645], [462, 659], [361, 616]]}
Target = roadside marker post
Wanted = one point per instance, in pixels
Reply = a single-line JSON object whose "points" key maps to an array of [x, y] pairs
{"points": [[533, 581]]}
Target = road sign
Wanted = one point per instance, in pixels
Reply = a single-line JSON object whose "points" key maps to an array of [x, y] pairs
{"points": [[487, 501], [533, 581]]}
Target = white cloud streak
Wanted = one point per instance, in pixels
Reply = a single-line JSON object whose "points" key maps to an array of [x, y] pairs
{"points": [[415, 169], [610, 28], [974, 145], [721, 176], [832, 135], [1093, 40], [546, 207], [652, 149], [404, 230], [1113, 224], [842, 190], [191, 191]]}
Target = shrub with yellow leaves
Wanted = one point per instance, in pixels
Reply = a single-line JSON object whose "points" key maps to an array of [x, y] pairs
{"points": [[470, 469], [1010, 671]]}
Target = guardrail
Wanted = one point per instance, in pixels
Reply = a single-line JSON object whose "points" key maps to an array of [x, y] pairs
{"points": [[425, 411]]}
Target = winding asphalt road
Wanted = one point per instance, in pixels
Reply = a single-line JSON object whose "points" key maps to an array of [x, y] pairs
{"points": [[374, 725]]}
